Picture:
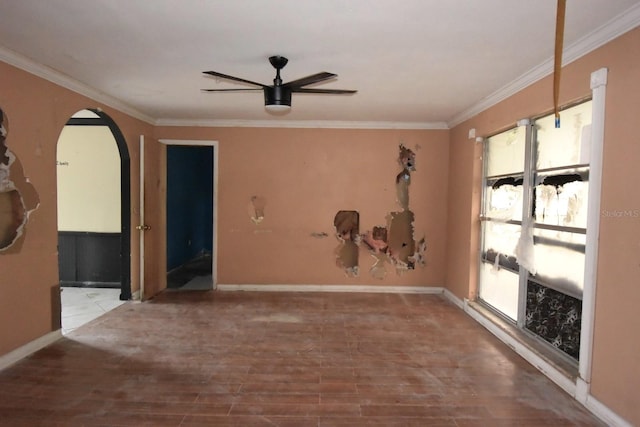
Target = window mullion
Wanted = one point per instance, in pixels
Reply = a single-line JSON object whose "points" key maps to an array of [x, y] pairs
{"points": [[527, 217]]}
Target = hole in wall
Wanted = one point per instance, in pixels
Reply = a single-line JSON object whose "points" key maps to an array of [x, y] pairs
{"points": [[347, 225], [377, 242], [17, 196], [256, 209], [393, 243]]}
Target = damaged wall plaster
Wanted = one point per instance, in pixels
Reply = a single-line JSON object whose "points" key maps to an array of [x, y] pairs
{"points": [[393, 243], [407, 160], [401, 243], [404, 252], [256, 209], [347, 224], [17, 198], [377, 242]]}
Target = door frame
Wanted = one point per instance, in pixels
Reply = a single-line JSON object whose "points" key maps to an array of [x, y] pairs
{"points": [[103, 119], [203, 143]]}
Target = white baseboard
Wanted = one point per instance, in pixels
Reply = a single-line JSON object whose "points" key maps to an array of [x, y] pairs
{"points": [[333, 288], [604, 413], [29, 348], [454, 299], [582, 391]]}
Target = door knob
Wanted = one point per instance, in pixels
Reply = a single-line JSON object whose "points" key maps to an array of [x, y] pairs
{"points": [[144, 227]]}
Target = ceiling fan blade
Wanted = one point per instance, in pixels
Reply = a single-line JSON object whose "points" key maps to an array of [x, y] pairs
{"points": [[231, 90], [314, 78], [330, 91], [236, 79]]}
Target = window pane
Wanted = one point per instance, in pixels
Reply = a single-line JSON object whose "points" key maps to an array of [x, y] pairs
{"points": [[555, 317], [559, 260], [503, 199], [499, 288], [505, 152], [501, 238], [568, 145], [561, 199]]}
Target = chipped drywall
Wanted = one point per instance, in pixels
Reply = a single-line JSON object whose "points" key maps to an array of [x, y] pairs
{"points": [[17, 196], [347, 225], [394, 243], [404, 252], [256, 209]]}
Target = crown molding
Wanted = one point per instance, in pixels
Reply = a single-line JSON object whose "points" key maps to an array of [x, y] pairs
{"points": [[47, 73], [315, 124], [617, 26]]}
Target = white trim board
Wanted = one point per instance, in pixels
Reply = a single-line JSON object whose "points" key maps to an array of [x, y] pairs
{"points": [[333, 288], [29, 348], [453, 299], [605, 413]]}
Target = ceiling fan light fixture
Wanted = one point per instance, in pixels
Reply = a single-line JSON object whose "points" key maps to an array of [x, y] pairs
{"points": [[277, 99], [277, 108]]}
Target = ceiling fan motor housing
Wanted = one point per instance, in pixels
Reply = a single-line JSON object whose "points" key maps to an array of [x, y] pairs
{"points": [[277, 95]]}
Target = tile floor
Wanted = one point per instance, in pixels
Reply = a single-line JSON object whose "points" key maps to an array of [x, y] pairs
{"points": [[283, 359], [82, 305]]}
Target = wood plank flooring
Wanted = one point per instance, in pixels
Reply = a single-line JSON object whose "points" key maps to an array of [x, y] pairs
{"points": [[283, 359]]}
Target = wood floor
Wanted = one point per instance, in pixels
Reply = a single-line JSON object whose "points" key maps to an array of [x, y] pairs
{"points": [[283, 359]]}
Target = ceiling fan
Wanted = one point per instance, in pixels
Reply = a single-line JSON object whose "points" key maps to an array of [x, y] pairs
{"points": [[277, 97]]}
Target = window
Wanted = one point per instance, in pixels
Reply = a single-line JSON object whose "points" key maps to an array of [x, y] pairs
{"points": [[534, 219]]}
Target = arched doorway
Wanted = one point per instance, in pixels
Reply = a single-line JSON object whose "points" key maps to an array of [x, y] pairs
{"points": [[94, 232]]}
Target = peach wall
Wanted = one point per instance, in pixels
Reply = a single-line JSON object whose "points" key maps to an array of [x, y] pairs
{"points": [[465, 168], [37, 111], [306, 177], [616, 373]]}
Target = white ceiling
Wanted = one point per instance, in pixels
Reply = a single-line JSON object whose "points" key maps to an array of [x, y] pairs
{"points": [[420, 63]]}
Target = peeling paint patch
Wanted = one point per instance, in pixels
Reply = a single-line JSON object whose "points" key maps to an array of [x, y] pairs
{"points": [[347, 224], [257, 206], [17, 198]]}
